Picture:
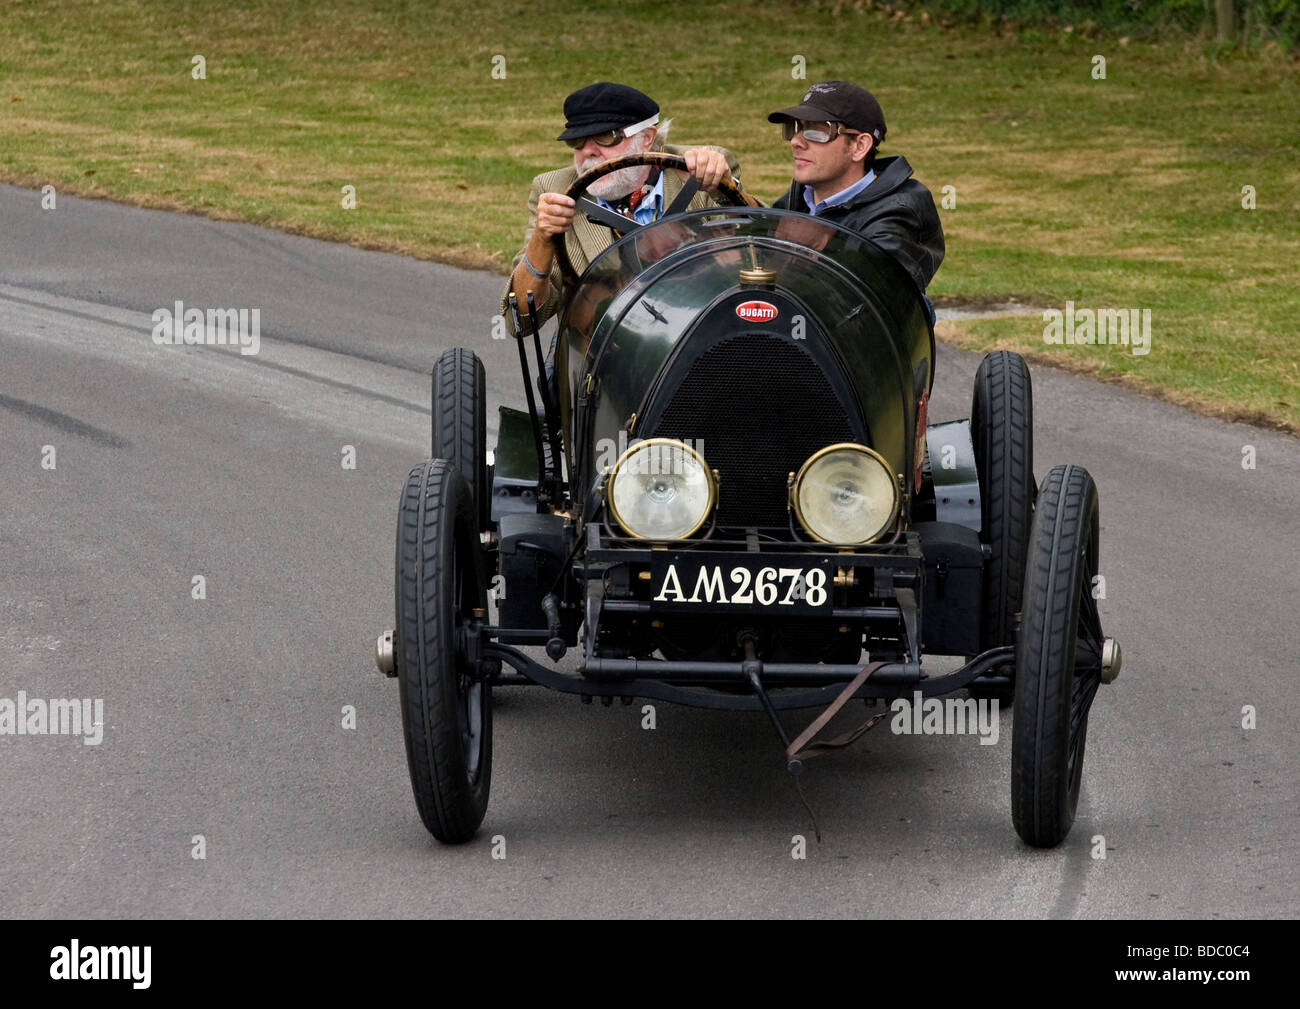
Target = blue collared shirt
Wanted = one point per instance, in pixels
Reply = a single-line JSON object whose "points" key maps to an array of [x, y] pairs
{"points": [[650, 207], [843, 196]]}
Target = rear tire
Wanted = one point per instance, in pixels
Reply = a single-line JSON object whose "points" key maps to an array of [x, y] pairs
{"points": [[1053, 694], [1002, 429], [459, 425], [446, 707]]}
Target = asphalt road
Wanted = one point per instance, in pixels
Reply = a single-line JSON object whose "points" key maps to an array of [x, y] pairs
{"points": [[224, 716]]}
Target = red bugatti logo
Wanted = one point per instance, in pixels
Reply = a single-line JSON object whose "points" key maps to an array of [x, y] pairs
{"points": [[757, 311]]}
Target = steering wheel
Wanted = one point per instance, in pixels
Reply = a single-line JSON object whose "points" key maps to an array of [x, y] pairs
{"points": [[728, 192]]}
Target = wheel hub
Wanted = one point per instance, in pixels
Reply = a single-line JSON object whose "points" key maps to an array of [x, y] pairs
{"points": [[385, 656], [1111, 660]]}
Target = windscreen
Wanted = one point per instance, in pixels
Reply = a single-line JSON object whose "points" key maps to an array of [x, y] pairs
{"points": [[726, 231]]}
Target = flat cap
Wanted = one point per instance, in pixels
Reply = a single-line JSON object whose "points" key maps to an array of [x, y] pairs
{"points": [[604, 106]]}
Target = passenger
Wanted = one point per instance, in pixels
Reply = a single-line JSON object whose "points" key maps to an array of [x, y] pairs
{"points": [[834, 136], [602, 121]]}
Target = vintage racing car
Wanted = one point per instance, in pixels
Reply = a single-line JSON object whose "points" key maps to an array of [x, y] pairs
{"points": [[730, 498]]}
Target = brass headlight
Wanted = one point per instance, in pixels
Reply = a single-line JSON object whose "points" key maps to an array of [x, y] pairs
{"points": [[845, 493], [660, 489]]}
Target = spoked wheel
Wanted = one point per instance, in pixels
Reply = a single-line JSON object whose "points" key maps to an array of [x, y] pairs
{"points": [[1058, 658], [1002, 429], [446, 706]]}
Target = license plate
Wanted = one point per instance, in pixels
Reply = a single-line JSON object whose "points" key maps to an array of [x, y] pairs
{"points": [[727, 583]]}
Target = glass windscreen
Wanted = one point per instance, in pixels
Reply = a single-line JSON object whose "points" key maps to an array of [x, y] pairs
{"points": [[726, 230]]}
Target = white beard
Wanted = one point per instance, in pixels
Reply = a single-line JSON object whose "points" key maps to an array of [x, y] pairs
{"points": [[616, 185]]}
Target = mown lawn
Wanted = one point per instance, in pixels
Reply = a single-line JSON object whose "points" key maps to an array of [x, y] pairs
{"points": [[1123, 192]]}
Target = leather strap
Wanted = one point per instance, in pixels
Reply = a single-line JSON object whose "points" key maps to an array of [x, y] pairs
{"points": [[796, 749]]}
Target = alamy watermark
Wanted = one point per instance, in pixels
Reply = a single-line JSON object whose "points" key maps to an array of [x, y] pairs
{"points": [[667, 458], [949, 716], [1130, 327], [62, 716], [191, 327], [75, 962]]}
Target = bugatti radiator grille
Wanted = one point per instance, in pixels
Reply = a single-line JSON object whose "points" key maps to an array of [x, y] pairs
{"points": [[761, 406]]}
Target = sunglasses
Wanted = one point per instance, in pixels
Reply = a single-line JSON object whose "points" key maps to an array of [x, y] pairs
{"points": [[612, 138], [814, 132]]}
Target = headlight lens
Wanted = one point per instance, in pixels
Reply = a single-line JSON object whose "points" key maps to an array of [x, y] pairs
{"points": [[845, 494], [661, 489]]}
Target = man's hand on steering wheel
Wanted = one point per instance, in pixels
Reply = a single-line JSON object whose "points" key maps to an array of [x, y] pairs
{"points": [[727, 192], [555, 214], [555, 211], [709, 167]]}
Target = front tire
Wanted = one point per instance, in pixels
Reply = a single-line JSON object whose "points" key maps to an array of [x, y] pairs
{"points": [[1002, 429], [446, 706], [459, 422], [1058, 659]]}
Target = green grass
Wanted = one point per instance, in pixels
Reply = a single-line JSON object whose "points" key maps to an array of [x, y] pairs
{"points": [[1123, 192]]}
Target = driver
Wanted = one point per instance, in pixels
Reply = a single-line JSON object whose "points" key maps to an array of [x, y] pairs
{"points": [[602, 121], [834, 134]]}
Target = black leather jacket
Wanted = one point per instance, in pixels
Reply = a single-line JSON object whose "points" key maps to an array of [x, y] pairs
{"points": [[895, 212]]}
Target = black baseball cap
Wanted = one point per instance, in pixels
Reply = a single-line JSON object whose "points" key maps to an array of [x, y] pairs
{"points": [[604, 106], [838, 102]]}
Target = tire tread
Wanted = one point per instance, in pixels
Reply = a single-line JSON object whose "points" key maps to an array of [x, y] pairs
{"points": [[459, 420], [1042, 801], [434, 501], [1002, 424]]}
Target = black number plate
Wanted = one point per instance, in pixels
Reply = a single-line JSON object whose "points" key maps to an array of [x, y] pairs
{"points": [[728, 583]]}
